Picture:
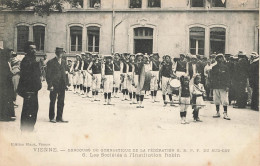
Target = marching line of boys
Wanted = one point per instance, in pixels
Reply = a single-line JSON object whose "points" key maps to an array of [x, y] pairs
{"points": [[123, 72]]}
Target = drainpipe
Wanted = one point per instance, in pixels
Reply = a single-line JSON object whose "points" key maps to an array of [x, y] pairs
{"points": [[113, 28]]}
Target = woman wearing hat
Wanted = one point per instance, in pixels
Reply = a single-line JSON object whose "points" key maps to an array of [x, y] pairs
{"points": [[155, 67], [130, 78], [76, 77], [95, 65], [166, 74], [124, 69], [87, 76], [147, 69], [117, 72], [181, 66], [137, 72], [107, 76]]}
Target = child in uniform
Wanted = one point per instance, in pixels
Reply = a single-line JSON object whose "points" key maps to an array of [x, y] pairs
{"points": [[184, 98], [197, 92]]}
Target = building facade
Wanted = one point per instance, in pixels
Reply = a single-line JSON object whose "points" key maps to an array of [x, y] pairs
{"points": [[164, 26]]}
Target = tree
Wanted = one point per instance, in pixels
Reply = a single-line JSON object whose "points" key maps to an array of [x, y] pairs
{"points": [[40, 7]]}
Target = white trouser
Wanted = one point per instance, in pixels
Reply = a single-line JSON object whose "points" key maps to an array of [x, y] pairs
{"points": [[70, 76], [180, 73], [154, 80], [75, 78], [116, 79], [220, 96], [108, 84], [165, 85], [129, 83], [136, 82], [124, 82], [96, 82], [87, 79]]}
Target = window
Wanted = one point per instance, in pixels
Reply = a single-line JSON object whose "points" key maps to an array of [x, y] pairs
{"points": [[143, 33], [77, 4], [1, 3], [218, 3], [154, 3], [135, 4], [197, 3], [217, 40], [197, 40], [38, 37], [75, 38], [94, 3], [93, 38], [22, 37]]}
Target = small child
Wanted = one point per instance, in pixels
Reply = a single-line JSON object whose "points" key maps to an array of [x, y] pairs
{"points": [[197, 93], [184, 98]]}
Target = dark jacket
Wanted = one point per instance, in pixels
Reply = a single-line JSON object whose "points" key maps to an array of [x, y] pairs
{"points": [[30, 76], [254, 74], [241, 72], [6, 88], [55, 75], [220, 77]]}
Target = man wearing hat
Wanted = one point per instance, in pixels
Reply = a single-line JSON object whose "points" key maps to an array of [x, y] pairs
{"points": [[155, 68], [220, 84], [56, 80], [193, 69], [95, 66], [107, 76], [28, 87], [240, 81]]}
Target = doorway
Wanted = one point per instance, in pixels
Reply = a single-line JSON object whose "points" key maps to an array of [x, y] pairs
{"points": [[143, 46]]}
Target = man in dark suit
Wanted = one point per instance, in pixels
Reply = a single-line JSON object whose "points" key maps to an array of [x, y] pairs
{"points": [[28, 87], [56, 80]]}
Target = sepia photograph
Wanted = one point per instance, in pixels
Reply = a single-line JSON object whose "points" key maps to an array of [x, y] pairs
{"points": [[129, 83]]}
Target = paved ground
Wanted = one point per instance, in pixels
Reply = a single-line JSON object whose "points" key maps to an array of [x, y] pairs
{"points": [[93, 125]]}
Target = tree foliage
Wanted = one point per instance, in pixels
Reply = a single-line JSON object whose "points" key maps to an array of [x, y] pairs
{"points": [[40, 7]]}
